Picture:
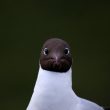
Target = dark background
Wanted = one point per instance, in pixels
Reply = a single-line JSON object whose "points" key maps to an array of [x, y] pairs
{"points": [[26, 24]]}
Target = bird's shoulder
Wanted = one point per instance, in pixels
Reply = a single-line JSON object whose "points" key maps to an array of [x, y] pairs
{"points": [[88, 105]]}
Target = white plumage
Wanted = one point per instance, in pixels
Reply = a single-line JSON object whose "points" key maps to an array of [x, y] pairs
{"points": [[53, 91]]}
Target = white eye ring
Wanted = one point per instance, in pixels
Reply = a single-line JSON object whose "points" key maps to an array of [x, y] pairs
{"points": [[66, 51], [45, 51]]}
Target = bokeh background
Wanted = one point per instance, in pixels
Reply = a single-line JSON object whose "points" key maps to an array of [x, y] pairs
{"points": [[26, 24]]}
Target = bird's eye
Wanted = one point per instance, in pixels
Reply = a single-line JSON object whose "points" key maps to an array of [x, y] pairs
{"points": [[46, 51], [66, 51]]}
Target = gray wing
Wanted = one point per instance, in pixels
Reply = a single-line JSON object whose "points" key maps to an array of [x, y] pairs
{"points": [[88, 105]]}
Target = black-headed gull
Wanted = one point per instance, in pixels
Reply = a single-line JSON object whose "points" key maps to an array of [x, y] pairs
{"points": [[53, 88]]}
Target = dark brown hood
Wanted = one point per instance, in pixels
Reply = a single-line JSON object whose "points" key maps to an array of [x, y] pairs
{"points": [[56, 55]]}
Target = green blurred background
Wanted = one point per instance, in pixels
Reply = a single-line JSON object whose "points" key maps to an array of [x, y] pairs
{"points": [[26, 24]]}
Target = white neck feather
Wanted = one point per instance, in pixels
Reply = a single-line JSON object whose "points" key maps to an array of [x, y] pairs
{"points": [[53, 79], [51, 89]]}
